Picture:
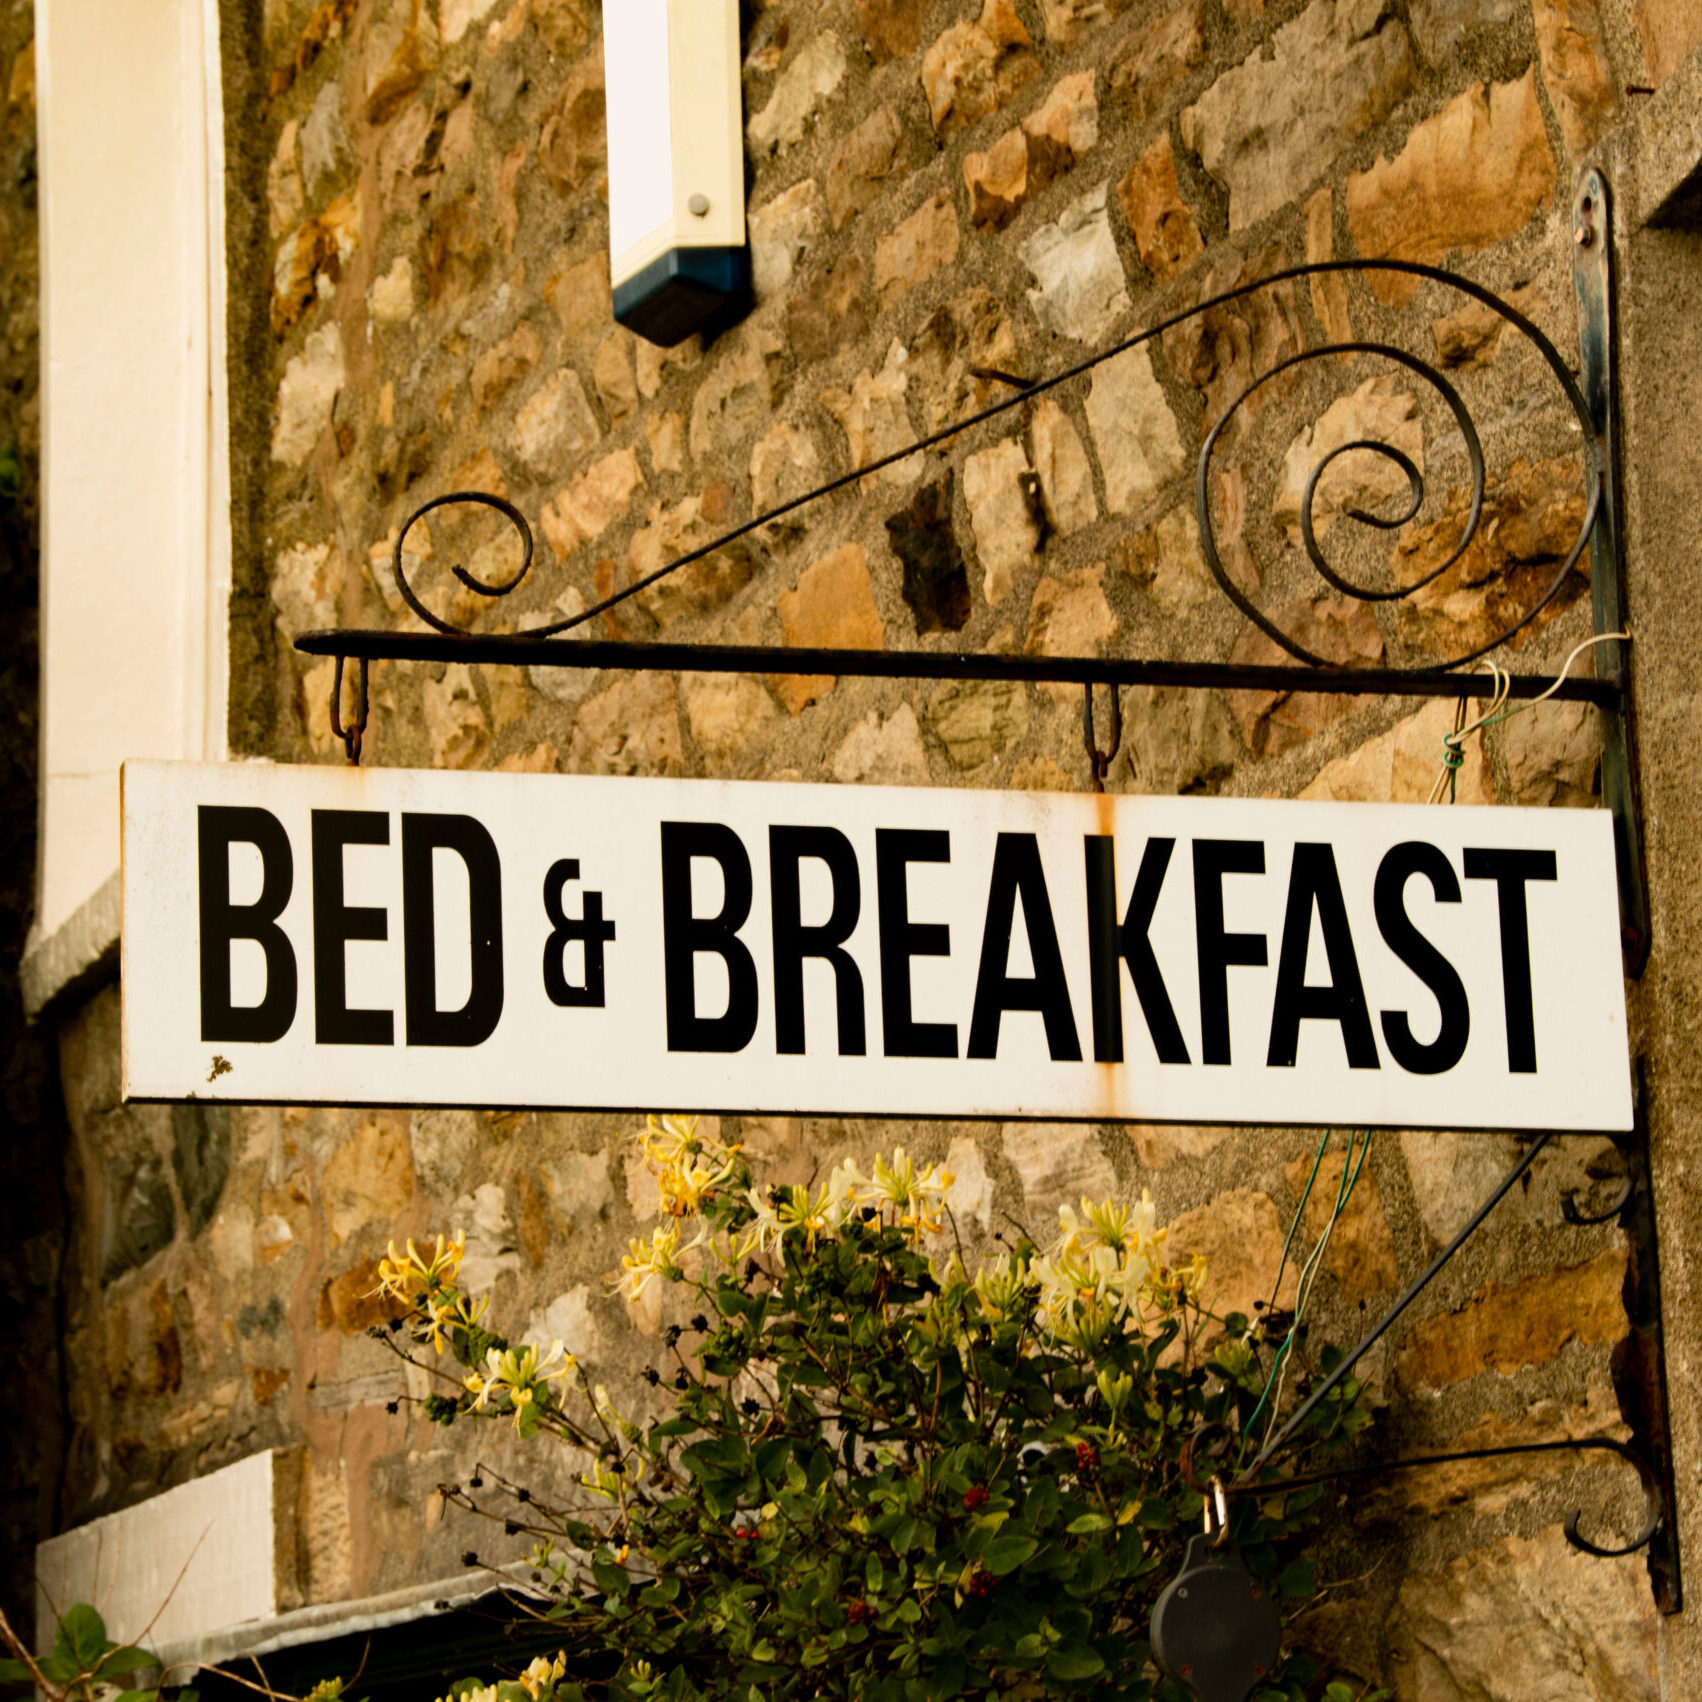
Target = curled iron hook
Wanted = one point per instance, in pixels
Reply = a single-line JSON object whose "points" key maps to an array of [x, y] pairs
{"points": [[1573, 1213], [1101, 760], [353, 734]]}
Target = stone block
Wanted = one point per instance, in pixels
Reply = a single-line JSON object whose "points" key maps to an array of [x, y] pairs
{"points": [[812, 77], [1069, 616], [970, 1197], [858, 167], [1670, 30], [503, 365], [882, 751], [1166, 236], [1066, 474], [737, 394], [1278, 121], [1341, 630], [782, 232], [1379, 411], [875, 418], [633, 727], [784, 466], [975, 67], [554, 426], [200, 1159], [573, 146], [1166, 562], [1133, 430], [1532, 516], [702, 585], [1444, 26], [1361, 1252], [978, 720], [1080, 289], [1473, 175], [936, 577], [1177, 741], [368, 1179], [1222, 350], [455, 723], [1058, 1164], [1471, 334], [973, 329], [1401, 765], [1061, 129], [1527, 1617], [830, 313], [1328, 289], [1508, 1327], [1576, 70], [916, 248], [891, 28], [584, 509], [1001, 491], [726, 712], [1240, 1236], [997, 180], [1553, 755], [831, 607], [311, 383], [1155, 61]]}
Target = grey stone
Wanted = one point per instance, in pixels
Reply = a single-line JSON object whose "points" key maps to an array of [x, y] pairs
{"points": [[200, 1155], [1059, 1164], [977, 720], [1001, 490], [1178, 741], [324, 138], [1443, 26], [1527, 1620], [1277, 122], [813, 76], [1081, 290], [1133, 430], [139, 1219]]}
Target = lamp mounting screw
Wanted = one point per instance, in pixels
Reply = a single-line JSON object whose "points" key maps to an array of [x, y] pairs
{"points": [[698, 205]]}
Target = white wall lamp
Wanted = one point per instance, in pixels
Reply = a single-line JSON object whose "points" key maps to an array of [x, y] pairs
{"points": [[678, 258]]}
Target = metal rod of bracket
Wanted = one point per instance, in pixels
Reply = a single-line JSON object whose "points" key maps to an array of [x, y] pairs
{"points": [[517, 650]]}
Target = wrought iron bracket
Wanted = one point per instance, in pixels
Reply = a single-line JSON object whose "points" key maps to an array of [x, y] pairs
{"points": [[1592, 273], [1638, 1362], [1590, 398], [1638, 1367]]}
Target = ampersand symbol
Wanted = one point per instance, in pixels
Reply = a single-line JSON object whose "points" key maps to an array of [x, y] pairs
{"points": [[588, 927]]}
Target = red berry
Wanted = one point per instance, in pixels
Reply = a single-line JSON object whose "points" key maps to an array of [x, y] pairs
{"points": [[974, 1498], [1087, 1457]]}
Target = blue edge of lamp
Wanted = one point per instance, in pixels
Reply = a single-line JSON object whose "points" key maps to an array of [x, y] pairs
{"points": [[685, 290]]}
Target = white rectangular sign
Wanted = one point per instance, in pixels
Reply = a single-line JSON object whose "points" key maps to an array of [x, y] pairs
{"points": [[380, 936]]}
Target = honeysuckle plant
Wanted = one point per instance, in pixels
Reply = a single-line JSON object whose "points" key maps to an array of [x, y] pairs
{"points": [[881, 1471]]}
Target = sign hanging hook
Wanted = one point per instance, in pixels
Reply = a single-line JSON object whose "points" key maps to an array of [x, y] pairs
{"points": [[1099, 760], [351, 735]]}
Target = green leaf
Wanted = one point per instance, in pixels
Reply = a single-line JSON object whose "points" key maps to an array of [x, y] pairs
{"points": [[137, 1695], [84, 1632], [128, 1660], [1089, 1523], [1073, 1662], [15, 1672], [1006, 1552]]}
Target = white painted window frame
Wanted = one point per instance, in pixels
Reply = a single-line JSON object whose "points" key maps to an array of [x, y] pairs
{"points": [[135, 486]]}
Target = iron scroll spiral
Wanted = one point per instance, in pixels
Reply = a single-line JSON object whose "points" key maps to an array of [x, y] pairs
{"points": [[484, 498], [1024, 394]]}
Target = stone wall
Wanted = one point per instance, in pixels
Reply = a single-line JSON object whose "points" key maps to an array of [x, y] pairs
{"points": [[940, 193], [32, 1196]]}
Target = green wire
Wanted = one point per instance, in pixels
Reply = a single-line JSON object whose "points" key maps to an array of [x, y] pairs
{"points": [[1344, 1193]]}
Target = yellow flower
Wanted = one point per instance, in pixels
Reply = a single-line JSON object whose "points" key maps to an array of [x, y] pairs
{"points": [[657, 1257], [512, 1378], [542, 1675], [917, 1198], [414, 1278]]}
